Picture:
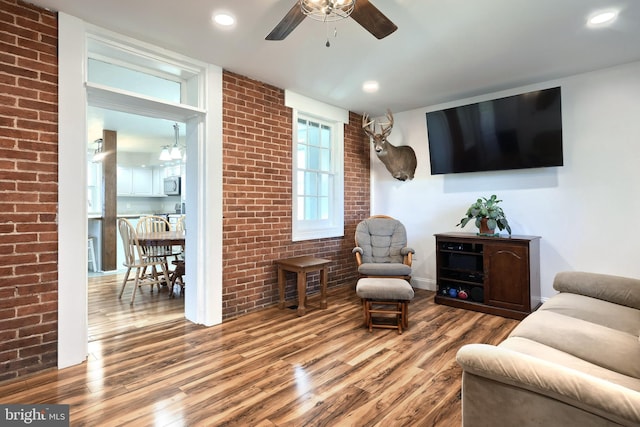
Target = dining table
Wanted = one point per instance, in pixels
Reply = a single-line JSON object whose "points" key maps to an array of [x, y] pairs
{"points": [[162, 238], [154, 240]]}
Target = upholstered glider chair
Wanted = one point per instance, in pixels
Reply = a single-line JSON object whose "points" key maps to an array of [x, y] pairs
{"points": [[381, 248]]}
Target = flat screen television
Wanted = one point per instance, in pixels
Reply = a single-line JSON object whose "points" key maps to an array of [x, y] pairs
{"points": [[515, 132]]}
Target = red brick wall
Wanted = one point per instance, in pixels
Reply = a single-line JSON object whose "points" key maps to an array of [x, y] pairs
{"points": [[28, 189], [257, 191], [257, 135]]}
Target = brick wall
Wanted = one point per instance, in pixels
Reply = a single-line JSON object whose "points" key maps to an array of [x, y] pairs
{"points": [[28, 189], [257, 192], [257, 135]]}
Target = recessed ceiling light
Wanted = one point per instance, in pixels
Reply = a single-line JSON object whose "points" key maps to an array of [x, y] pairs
{"points": [[602, 18], [224, 19], [370, 86]]}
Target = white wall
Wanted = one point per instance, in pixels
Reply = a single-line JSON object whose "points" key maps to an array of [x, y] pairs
{"points": [[584, 211]]}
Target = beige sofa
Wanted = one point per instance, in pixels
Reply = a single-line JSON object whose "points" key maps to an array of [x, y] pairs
{"points": [[573, 362]]}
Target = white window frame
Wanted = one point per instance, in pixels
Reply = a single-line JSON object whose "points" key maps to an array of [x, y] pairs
{"points": [[335, 118]]}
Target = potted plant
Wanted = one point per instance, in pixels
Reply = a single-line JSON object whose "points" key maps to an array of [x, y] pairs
{"points": [[488, 215]]}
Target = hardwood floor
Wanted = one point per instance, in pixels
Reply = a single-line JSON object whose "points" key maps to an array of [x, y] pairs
{"points": [[111, 316], [269, 368]]}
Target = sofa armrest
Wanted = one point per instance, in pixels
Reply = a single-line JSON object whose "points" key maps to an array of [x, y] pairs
{"points": [[592, 394], [615, 289]]}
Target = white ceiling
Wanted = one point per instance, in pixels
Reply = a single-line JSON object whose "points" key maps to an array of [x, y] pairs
{"points": [[443, 50]]}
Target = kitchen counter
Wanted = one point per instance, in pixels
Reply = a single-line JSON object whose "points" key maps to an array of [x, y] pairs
{"points": [[132, 215], [98, 216]]}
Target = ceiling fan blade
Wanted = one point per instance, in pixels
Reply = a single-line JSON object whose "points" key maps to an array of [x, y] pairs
{"points": [[372, 20], [288, 23]]}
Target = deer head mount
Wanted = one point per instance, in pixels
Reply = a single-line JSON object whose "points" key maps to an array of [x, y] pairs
{"points": [[400, 161]]}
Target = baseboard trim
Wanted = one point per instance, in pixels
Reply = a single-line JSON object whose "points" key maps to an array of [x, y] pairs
{"points": [[422, 283]]}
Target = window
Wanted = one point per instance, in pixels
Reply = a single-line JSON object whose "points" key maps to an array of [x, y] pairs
{"points": [[314, 175], [142, 71], [140, 82], [318, 176]]}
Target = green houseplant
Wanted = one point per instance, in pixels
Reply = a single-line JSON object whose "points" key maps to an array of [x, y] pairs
{"points": [[486, 213]]}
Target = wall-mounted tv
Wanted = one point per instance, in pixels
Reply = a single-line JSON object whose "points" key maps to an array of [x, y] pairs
{"points": [[515, 132]]}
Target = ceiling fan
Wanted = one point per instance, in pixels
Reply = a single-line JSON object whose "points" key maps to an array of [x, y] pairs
{"points": [[363, 12]]}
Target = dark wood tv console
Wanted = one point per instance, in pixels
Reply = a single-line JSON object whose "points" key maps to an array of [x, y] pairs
{"points": [[497, 275]]}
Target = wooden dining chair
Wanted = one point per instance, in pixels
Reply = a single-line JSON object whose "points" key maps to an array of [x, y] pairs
{"points": [[180, 223], [177, 275], [136, 258], [152, 224], [156, 224], [179, 226]]}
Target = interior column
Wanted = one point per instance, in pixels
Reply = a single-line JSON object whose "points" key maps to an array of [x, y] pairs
{"points": [[109, 201]]}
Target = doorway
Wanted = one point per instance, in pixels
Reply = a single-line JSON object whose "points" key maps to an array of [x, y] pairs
{"points": [[135, 152], [203, 302]]}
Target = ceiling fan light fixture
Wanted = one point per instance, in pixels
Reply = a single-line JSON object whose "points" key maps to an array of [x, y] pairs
{"points": [[327, 10]]}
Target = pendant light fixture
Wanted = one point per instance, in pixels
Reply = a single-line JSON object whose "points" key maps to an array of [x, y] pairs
{"points": [[168, 152], [165, 155], [176, 154], [98, 154]]}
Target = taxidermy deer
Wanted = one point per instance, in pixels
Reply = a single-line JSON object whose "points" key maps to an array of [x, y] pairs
{"points": [[400, 161]]}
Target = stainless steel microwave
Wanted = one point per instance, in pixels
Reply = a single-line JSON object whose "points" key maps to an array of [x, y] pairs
{"points": [[172, 186]]}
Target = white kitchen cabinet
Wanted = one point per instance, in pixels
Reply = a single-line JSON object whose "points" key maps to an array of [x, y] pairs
{"points": [[173, 170], [124, 181], [134, 181], [158, 182], [94, 187], [142, 181], [93, 173]]}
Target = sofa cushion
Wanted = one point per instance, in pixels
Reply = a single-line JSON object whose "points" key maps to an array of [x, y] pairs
{"points": [[619, 317], [384, 269], [615, 289], [596, 344], [550, 354]]}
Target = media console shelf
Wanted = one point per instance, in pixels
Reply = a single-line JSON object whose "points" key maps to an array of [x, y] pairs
{"points": [[495, 275]]}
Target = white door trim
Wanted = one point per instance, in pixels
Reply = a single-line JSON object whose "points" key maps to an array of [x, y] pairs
{"points": [[203, 299]]}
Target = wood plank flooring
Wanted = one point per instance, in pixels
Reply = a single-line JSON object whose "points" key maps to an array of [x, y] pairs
{"points": [[110, 316], [269, 368]]}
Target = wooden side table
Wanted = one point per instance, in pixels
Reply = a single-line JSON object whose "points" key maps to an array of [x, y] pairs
{"points": [[301, 266]]}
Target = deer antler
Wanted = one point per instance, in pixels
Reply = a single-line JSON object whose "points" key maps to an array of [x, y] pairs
{"points": [[385, 129], [369, 126]]}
